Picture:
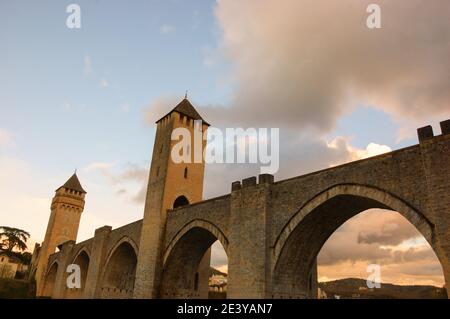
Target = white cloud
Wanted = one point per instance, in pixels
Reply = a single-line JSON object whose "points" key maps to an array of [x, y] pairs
{"points": [[66, 106], [158, 108], [104, 83], [219, 258], [129, 181], [125, 108], [87, 65], [307, 62], [372, 149], [299, 154], [99, 166], [70, 107], [6, 138], [383, 237], [166, 29]]}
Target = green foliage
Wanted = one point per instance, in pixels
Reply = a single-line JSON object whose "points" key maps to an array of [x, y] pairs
{"points": [[12, 288], [26, 258], [13, 238]]}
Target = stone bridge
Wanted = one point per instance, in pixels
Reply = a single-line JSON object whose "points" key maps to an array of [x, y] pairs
{"points": [[271, 231]]}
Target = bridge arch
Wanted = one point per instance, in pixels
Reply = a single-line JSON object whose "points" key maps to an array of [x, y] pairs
{"points": [[298, 244], [120, 270], [196, 223], [186, 260]]}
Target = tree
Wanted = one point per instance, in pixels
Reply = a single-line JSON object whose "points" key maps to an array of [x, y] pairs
{"points": [[13, 238], [26, 258]]}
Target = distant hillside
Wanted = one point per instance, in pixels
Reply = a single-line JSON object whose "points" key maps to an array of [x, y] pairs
{"points": [[357, 288], [214, 271]]}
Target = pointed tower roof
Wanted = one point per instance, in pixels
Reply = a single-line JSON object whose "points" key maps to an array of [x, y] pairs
{"points": [[186, 108], [73, 183]]}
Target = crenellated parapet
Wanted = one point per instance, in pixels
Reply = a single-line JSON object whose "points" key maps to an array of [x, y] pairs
{"points": [[426, 133]]}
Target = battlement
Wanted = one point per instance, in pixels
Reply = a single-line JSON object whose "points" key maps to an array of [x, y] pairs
{"points": [[445, 127], [426, 132], [251, 181]]}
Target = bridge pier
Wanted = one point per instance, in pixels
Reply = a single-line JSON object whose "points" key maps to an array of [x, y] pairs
{"points": [[435, 162], [61, 275], [248, 269], [96, 261]]}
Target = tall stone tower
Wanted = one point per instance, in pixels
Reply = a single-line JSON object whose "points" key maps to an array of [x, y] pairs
{"points": [[66, 208], [170, 185]]}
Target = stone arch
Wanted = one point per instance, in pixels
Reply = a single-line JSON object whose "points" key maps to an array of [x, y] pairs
{"points": [[50, 279], [82, 249], [120, 270], [124, 239], [82, 259], [296, 247], [196, 223], [186, 260]]}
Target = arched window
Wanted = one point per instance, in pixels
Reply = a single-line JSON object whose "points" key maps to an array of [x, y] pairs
{"points": [[180, 201], [120, 271], [185, 172]]}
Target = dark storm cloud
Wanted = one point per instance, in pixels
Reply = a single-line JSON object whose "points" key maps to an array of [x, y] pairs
{"points": [[304, 63]]}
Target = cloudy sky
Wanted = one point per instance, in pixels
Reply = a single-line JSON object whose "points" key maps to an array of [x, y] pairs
{"points": [[87, 98]]}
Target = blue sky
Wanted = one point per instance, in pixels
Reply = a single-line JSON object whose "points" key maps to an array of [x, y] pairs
{"points": [[78, 98], [51, 78], [71, 98], [52, 99]]}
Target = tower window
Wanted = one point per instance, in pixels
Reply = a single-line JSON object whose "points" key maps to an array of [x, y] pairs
{"points": [[180, 201], [185, 172]]}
